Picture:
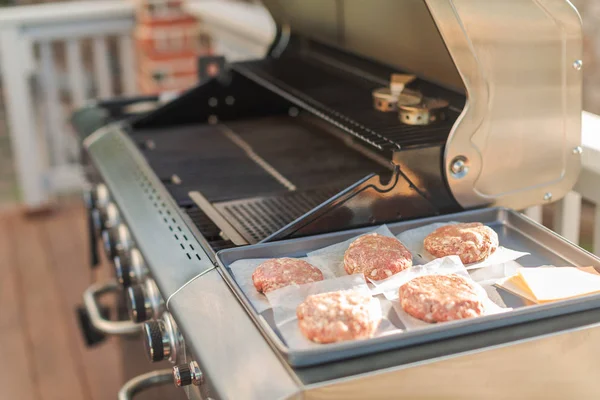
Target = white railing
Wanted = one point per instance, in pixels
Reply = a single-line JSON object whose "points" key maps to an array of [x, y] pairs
{"points": [[42, 142], [43, 147]]}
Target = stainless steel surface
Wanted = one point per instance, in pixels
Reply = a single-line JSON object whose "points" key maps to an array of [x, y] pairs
{"points": [[188, 374], [228, 230], [98, 321], [397, 33], [226, 348], [515, 59], [172, 254], [514, 230], [222, 338], [144, 382]]}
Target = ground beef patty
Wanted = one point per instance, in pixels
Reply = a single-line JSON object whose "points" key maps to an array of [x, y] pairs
{"points": [[440, 298], [376, 256], [280, 272], [472, 242], [338, 316]]}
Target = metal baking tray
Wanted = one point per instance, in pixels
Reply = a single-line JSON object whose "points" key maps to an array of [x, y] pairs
{"points": [[515, 231]]}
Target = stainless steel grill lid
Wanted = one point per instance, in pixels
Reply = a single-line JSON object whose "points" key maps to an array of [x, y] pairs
{"points": [[518, 62]]}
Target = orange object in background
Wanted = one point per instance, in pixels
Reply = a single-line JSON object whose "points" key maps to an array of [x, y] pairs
{"points": [[168, 43]]}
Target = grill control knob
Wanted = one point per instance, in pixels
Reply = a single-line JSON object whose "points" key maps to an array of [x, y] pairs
{"points": [[187, 374], [144, 301], [130, 269], [162, 339], [109, 243], [110, 216], [124, 243], [100, 196], [97, 221]]}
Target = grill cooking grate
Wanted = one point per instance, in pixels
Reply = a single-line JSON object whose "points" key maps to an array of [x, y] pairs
{"points": [[259, 217], [208, 229], [345, 99], [206, 160]]}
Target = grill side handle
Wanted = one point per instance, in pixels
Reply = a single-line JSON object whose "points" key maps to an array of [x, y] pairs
{"points": [[97, 320]]}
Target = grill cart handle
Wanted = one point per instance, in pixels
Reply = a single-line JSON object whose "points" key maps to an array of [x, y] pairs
{"points": [[97, 320], [143, 382]]}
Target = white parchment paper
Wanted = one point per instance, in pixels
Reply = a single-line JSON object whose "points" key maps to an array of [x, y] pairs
{"points": [[286, 300], [441, 266], [413, 240], [242, 271]]}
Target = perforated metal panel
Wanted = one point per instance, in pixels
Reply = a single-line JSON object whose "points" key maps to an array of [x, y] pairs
{"points": [[173, 254]]}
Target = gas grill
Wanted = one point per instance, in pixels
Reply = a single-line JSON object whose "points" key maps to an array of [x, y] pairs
{"points": [[287, 153]]}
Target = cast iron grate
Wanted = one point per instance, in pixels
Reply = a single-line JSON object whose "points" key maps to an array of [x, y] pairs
{"points": [[345, 100], [259, 217]]}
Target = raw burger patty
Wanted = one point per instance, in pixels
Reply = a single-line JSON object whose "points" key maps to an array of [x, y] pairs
{"points": [[280, 272], [338, 316], [440, 298], [472, 242], [376, 256]]}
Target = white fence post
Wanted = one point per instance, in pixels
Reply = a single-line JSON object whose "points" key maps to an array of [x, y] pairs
{"points": [[128, 69], [52, 108], [75, 70], [102, 68], [567, 216], [535, 213], [21, 118]]}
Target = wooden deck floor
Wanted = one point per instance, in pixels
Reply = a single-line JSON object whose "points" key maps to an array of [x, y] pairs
{"points": [[43, 272]]}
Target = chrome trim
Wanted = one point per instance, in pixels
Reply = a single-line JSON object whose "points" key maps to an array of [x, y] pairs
{"points": [[518, 62], [96, 319], [143, 382]]}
